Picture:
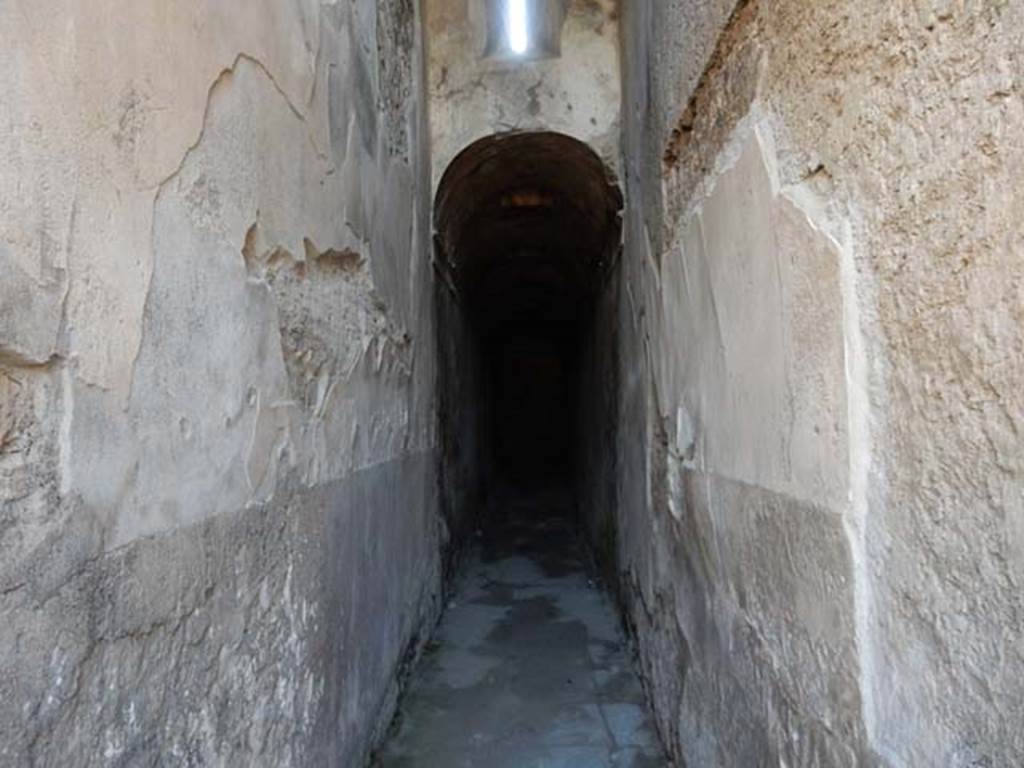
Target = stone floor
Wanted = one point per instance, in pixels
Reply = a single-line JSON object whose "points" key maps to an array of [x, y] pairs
{"points": [[530, 667]]}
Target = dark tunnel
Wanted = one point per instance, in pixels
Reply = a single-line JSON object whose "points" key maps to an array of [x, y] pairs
{"points": [[527, 229]]}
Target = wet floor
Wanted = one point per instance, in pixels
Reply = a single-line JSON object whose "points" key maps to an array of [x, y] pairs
{"points": [[530, 667]]}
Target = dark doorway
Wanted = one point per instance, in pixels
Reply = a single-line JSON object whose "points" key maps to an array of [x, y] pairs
{"points": [[528, 227], [530, 663]]}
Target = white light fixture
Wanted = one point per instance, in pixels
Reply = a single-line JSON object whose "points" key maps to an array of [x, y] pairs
{"points": [[524, 30], [518, 27]]}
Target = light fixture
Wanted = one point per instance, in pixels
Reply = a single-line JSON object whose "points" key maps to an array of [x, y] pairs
{"points": [[524, 30], [518, 27]]}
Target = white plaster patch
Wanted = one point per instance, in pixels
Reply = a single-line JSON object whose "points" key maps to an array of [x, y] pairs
{"points": [[753, 342]]}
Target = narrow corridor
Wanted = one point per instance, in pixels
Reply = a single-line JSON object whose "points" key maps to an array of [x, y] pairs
{"points": [[344, 344], [530, 666]]}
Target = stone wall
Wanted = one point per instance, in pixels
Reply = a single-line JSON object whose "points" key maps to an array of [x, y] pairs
{"points": [[463, 428], [821, 526], [218, 508], [577, 94]]}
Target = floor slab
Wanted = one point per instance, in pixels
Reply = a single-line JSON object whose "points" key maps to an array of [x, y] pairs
{"points": [[530, 667]]}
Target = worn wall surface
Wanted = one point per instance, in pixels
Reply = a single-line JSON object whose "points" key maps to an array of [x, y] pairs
{"points": [[218, 523], [577, 94], [821, 499], [463, 430]]}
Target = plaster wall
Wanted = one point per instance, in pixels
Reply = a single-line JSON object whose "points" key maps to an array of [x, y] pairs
{"points": [[577, 94], [821, 477], [218, 510]]}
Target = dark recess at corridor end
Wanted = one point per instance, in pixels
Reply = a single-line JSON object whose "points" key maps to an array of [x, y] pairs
{"points": [[527, 226]]}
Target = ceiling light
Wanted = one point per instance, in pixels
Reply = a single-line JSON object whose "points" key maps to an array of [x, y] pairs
{"points": [[524, 30]]}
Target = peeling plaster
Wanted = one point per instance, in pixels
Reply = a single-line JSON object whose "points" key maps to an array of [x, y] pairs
{"points": [[202, 227]]}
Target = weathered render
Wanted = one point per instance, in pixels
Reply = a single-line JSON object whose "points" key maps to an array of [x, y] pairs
{"points": [[822, 472], [577, 94], [218, 523]]}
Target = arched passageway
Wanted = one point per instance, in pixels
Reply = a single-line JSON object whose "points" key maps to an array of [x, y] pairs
{"points": [[530, 665], [527, 226]]}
